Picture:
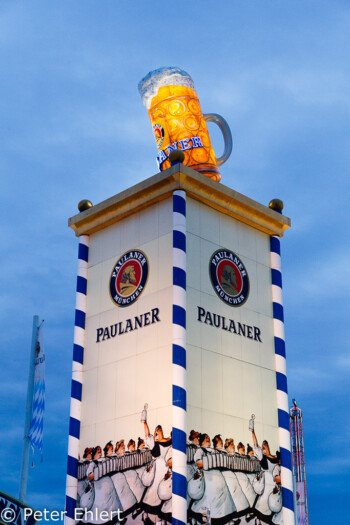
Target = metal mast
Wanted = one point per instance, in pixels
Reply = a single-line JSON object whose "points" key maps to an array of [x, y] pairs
{"points": [[298, 464], [29, 412]]}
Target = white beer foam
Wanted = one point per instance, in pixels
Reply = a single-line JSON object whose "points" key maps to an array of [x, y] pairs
{"points": [[164, 76]]}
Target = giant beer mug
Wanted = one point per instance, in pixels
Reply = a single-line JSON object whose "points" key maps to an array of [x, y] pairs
{"points": [[178, 122]]}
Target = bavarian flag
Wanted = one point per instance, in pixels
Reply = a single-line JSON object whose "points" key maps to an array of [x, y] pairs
{"points": [[37, 424]]}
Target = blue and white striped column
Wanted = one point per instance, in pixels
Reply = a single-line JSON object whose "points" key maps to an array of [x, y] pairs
{"points": [[281, 380], [179, 500], [77, 380]]}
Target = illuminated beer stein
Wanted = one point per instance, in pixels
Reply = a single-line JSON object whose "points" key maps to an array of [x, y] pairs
{"points": [[178, 122]]}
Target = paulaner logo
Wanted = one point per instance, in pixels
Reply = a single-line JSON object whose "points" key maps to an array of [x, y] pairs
{"points": [[158, 131], [128, 278], [229, 277]]}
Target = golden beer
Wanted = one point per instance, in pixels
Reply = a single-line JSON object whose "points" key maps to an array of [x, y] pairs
{"points": [[177, 120]]}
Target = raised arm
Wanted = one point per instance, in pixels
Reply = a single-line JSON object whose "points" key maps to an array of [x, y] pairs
{"points": [[146, 427], [255, 441]]}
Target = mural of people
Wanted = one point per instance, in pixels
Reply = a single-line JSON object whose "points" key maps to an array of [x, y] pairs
{"points": [[87, 454], [236, 487], [208, 488], [125, 494], [98, 494], [140, 444], [231, 477], [193, 439], [108, 450], [229, 446], [241, 449], [156, 471], [131, 446], [268, 462]]}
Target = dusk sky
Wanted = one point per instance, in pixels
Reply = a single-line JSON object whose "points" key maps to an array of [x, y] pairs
{"points": [[74, 127]]}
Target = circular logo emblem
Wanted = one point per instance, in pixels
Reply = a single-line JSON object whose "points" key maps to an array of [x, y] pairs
{"points": [[229, 277], [128, 278], [158, 131]]}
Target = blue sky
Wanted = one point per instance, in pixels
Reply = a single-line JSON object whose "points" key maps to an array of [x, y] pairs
{"points": [[74, 127]]}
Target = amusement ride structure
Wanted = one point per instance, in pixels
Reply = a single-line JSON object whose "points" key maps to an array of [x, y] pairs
{"points": [[298, 463]]}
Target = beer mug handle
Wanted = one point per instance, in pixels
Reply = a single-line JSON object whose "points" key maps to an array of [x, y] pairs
{"points": [[224, 127]]}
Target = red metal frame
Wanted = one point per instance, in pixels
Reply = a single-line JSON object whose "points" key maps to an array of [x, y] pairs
{"points": [[298, 457]]}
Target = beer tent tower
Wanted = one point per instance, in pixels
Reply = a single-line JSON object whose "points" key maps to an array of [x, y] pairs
{"points": [[179, 328]]}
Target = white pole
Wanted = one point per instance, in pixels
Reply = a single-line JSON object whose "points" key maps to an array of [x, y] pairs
{"points": [[28, 416]]}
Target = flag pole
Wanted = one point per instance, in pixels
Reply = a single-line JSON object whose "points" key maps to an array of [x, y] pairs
{"points": [[28, 416]]}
